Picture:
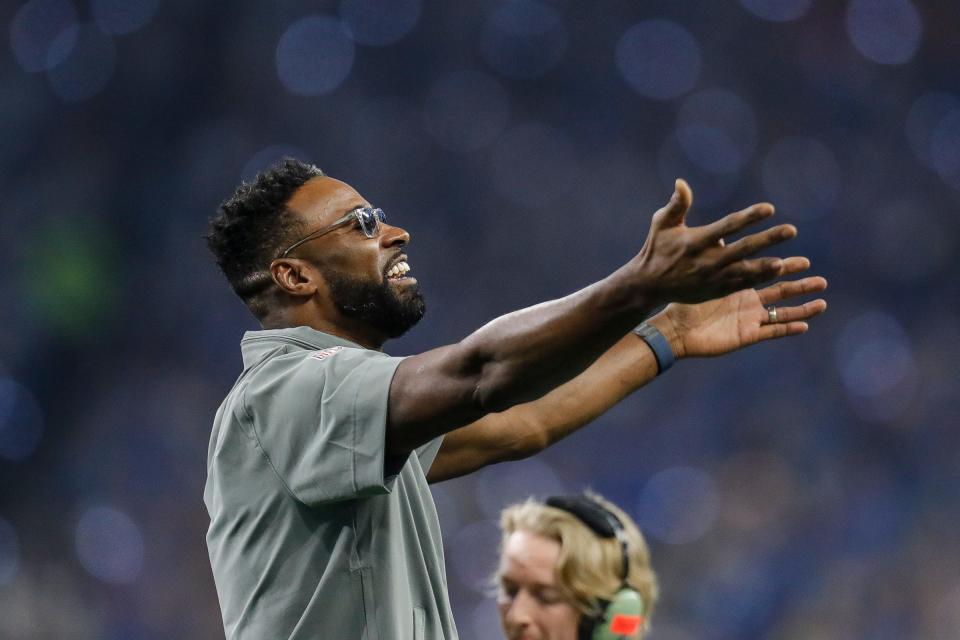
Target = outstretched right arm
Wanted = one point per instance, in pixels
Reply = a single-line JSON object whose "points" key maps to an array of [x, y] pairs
{"points": [[523, 355]]}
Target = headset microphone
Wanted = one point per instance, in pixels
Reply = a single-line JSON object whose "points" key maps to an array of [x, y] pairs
{"points": [[622, 615]]}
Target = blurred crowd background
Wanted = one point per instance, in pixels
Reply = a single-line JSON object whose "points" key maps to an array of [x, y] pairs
{"points": [[800, 489]]}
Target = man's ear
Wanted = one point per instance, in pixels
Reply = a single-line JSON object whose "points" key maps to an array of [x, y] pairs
{"points": [[295, 277]]}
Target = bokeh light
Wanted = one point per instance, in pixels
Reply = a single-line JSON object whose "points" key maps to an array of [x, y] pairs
{"points": [[9, 553], [709, 187], [72, 287], [777, 10], [88, 58], [524, 39], [873, 353], [21, 421], [109, 545], [678, 505], [659, 59], [945, 149], [380, 22], [717, 130], [876, 362], [802, 177], [925, 115], [34, 28], [534, 165], [314, 56], [123, 16], [884, 31], [466, 110]]}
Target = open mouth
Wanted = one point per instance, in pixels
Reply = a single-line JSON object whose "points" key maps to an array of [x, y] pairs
{"points": [[398, 271]]}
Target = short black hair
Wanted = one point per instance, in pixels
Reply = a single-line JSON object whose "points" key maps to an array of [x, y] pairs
{"points": [[252, 225]]}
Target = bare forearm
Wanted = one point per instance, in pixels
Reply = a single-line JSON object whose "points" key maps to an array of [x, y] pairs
{"points": [[530, 352], [527, 428], [623, 369]]}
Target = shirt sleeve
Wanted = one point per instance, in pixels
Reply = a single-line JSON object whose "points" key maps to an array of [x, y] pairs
{"points": [[427, 453], [320, 420]]}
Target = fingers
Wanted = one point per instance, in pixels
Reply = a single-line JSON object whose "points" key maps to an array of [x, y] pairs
{"points": [[790, 321], [782, 330], [805, 311], [749, 273], [758, 241], [733, 222], [795, 264], [674, 212], [789, 289]]}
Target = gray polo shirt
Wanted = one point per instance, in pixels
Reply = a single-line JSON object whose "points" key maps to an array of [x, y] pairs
{"points": [[314, 533]]}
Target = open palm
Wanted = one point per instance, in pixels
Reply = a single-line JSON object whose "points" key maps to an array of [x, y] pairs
{"points": [[740, 319]]}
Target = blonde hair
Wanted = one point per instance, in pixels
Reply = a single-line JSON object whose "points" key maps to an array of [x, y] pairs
{"points": [[590, 568]]}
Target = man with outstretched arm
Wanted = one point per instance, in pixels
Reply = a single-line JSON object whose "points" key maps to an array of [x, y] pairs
{"points": [[322, 524]]}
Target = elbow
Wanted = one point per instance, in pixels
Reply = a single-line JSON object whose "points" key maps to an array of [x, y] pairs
{"points": [[498, 382], [531, 442], [498, 389], [493, 400]]}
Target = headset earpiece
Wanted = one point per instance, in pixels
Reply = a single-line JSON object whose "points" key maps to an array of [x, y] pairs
{"points": [[622, 618]]}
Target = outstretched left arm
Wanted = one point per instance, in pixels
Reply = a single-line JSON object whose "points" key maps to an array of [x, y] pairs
{"points": [[711, 328]]}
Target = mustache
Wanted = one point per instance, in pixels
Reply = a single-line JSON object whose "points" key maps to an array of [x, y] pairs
{"points": [[400, 257]]}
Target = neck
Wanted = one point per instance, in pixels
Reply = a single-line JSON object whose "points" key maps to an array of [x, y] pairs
{"points": [[342, 327]]}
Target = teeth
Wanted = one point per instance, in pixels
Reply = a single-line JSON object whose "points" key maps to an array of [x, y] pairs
{"points": [[398, 270]]}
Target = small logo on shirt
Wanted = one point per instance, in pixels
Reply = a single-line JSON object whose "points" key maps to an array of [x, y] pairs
{"points": [[325, 353]]}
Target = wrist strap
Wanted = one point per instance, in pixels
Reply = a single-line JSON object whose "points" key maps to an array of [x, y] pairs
{"points": [[660, 346]]}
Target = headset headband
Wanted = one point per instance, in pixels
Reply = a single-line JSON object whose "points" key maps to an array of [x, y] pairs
{"points": [[598, 518]]}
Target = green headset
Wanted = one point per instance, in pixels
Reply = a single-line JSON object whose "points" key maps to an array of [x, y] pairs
{"points": [[622, 616]]}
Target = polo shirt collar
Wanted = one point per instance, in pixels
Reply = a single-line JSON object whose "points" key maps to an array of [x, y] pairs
{"points": [[256, 344]]}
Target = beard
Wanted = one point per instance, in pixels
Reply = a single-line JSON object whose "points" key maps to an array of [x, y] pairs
{"points": [[380, 305]]}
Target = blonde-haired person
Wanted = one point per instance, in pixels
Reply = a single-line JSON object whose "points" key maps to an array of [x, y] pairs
{"points": [[563, 561]]}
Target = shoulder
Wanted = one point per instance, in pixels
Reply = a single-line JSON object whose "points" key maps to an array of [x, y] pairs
{"points": [[296, 368], [323, 354]]}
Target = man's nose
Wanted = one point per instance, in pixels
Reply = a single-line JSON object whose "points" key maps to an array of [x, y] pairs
{"points": [[393, 236]]}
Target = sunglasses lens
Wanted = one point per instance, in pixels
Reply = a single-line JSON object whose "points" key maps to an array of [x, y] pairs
{"points": [[368, 222]]}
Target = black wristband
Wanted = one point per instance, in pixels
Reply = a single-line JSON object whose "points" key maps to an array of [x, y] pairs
{"points": [[662, 351]]}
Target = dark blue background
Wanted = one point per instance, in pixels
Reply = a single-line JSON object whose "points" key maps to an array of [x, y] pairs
{"points": [[800, 489]]}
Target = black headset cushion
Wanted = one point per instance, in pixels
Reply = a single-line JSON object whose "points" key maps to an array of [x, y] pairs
{"points": [[588, 511]]}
